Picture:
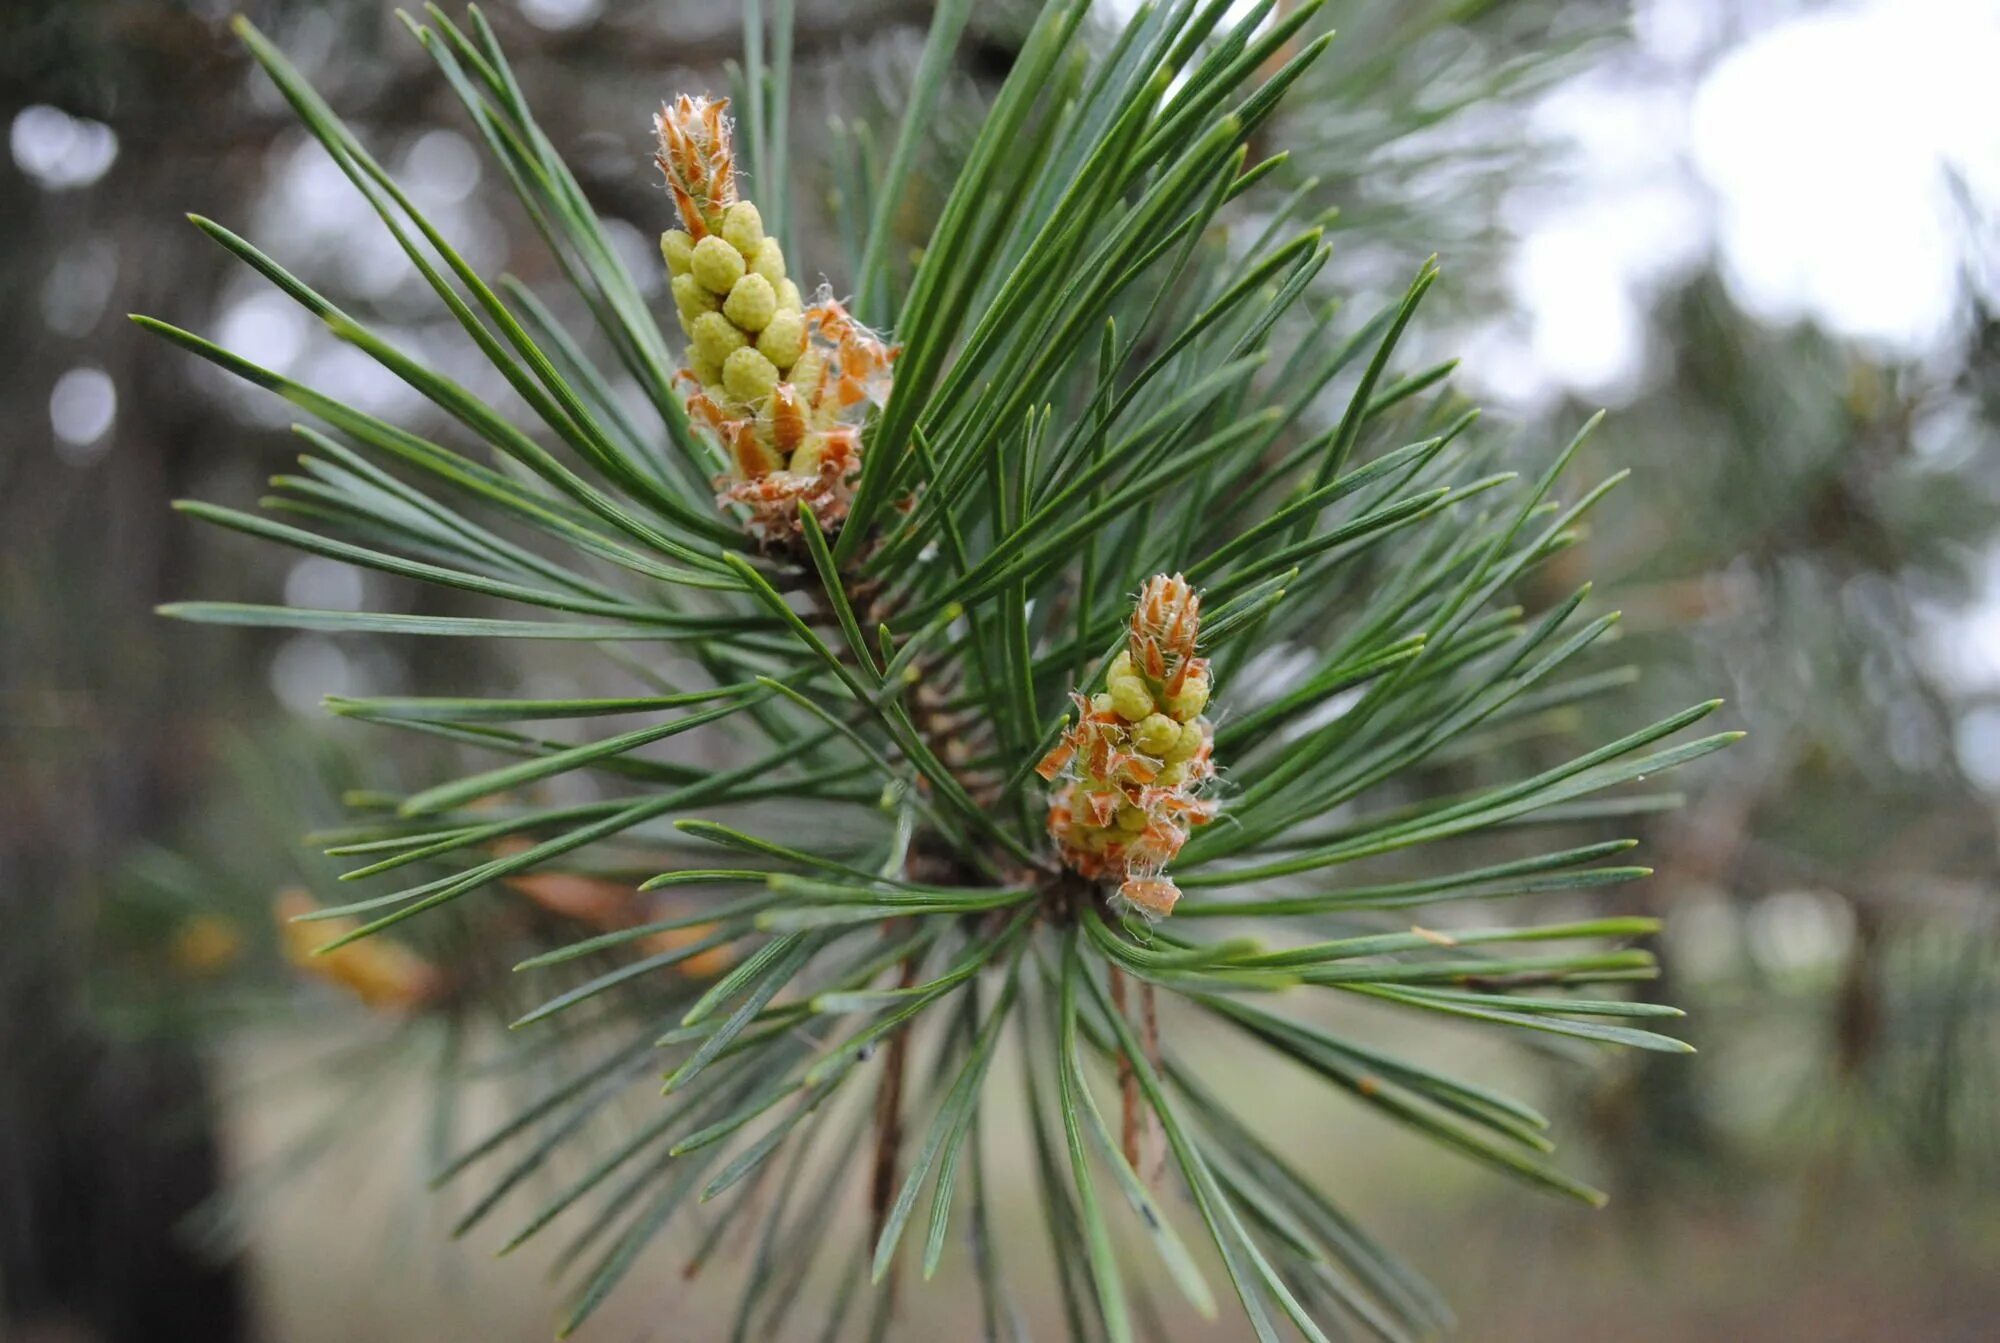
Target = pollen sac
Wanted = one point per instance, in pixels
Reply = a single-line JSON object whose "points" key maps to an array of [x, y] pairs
{"points": [[783, 339], [748, 376], [716, 264], [677, 250], [691, 300], [1130, 774], [784, 385], [768, 260], [752, 303], [743, 228], [716, 336], [1156, 734]]}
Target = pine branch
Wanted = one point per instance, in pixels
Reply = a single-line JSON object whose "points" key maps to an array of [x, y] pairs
{"points": [[986, 620]]}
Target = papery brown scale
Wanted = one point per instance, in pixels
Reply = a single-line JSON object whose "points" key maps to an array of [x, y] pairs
{"points": [[703, 407], [1052, 763], [788, 419], [843, 451], [1185, 619], [1157, 844], [753, 457], [697, 228], [1139, 769], [1156, 895]]}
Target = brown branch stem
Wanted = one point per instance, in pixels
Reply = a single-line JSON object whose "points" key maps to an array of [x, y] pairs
{"points": [[1128, 1080], [889, 1124]]}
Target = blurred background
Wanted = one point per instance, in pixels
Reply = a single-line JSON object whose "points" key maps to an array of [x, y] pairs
{"points": [[1764, 233]]}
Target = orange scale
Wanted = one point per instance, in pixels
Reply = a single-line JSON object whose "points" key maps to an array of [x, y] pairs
{"points": [[1052, 763], [1138, 768]]}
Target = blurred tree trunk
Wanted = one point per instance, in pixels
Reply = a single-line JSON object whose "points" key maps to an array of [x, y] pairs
{"points": [[106, 1143]]}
